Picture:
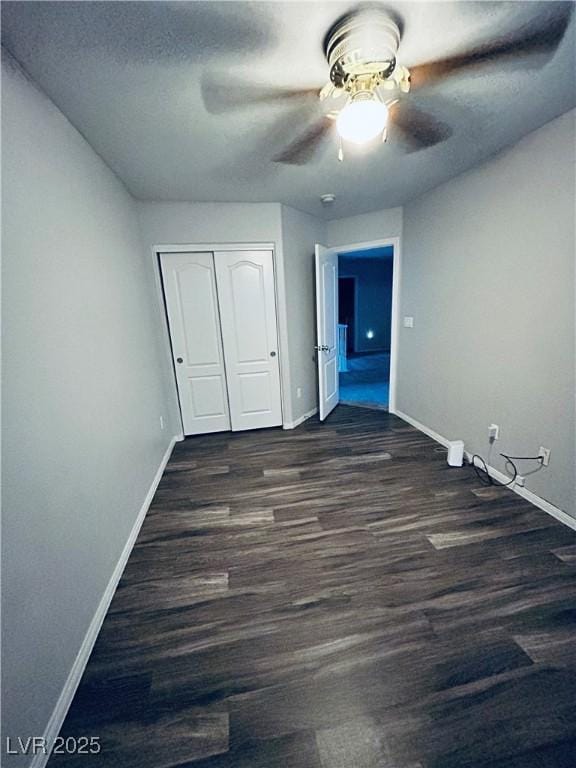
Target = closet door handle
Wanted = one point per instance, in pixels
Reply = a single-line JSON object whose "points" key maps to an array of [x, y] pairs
{"points": [[272, 354], [179, 360]]}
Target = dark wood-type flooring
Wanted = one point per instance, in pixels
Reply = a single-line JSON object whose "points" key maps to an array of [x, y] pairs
{"points": [[335, 597]]}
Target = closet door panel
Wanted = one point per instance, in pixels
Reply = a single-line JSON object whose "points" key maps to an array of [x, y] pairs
{"points": [[208, 396], [255, 392], [193, 315], [245, 282]]}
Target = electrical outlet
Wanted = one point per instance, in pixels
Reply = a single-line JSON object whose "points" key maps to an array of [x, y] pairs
{"points": [[161, 422], [544, 453], [493, 432], [408, 322], [299, 392]]}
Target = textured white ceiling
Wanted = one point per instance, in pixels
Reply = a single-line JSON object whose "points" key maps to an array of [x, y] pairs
{"points": [[128, 75]]}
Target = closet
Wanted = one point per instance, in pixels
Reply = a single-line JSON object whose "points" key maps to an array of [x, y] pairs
{"points": [[221, 310]]}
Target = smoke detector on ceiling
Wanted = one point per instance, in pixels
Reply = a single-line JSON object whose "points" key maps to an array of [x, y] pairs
{"points": [[328, 199]]}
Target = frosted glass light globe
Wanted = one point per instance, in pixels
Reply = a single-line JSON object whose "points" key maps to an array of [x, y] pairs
{"points": [[362, 120]]}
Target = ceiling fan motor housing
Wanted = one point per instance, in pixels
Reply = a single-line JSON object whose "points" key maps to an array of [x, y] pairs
{"points": [[360, 44]]}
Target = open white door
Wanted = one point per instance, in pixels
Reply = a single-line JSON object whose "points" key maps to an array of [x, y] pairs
{"points": [[327, 328]]}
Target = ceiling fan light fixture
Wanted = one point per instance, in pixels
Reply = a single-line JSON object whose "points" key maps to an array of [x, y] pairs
{"points": [[362, 119]]}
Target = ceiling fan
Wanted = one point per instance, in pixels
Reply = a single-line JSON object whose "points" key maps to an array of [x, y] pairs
{"points": [[369, 86]]}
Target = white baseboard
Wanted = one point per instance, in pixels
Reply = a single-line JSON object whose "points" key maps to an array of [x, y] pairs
{"points": [[423, 428], [538, 501], [65, 700], [301, 420]]}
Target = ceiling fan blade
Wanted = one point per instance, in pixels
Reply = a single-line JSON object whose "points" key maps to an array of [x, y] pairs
{"points": [[417, 129], [302, 150], [538, 37], [223, 94]]}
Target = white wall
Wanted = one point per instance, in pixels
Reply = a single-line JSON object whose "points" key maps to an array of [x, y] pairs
{"points": [[184, 223], [365, 227], [488, 274], [83, 393], [300, 232]]}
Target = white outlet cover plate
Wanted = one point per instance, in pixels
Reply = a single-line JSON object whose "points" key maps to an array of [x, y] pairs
{"points": [[545, 454]]}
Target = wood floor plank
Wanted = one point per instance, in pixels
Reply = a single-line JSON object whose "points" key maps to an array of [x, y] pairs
{"points": [[335, 596]]}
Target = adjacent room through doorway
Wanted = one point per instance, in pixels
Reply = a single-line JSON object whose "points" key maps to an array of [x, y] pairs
{"points": [[364, 325]]}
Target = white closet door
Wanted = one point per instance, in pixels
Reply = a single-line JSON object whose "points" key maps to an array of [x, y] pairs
{"points": [[248, 314], [192, 307]]}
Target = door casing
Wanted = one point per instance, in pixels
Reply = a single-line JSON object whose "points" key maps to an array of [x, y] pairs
{"points": [[395, 242]]}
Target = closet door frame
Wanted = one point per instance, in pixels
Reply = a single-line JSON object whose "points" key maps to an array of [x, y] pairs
{"points": [[282, 339]]}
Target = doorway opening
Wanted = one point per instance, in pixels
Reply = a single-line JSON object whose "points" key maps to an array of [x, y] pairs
{"points": [[365, 280]]}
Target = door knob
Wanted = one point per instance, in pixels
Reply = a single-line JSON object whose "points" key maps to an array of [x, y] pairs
{"points": [[322, 348], [272, 354], [179, 360]]}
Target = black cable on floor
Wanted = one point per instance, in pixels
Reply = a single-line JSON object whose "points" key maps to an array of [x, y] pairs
{"points": [[485, 477], [481, 472]]}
